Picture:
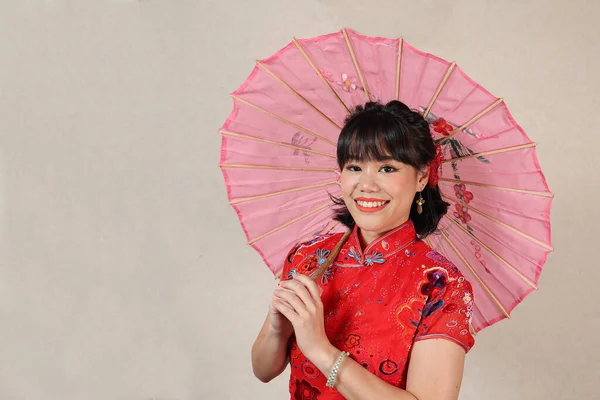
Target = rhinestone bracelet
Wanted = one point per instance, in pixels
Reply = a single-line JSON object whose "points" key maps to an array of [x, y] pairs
{"points": [[334, 370]]}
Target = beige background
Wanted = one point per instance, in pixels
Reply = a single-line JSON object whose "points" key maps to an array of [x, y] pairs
{"points": [[123, 272]]}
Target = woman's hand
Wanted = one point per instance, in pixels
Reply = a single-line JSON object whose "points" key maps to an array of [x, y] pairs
{"points": [[278, 322], [299, 300]]}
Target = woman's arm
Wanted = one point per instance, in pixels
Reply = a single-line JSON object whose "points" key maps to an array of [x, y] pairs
{"points": [[435, 372], [354, 382], [269, 352], [435, 369]]}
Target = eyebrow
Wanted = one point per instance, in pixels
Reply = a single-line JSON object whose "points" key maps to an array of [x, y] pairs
{"points": [[382, 159]]}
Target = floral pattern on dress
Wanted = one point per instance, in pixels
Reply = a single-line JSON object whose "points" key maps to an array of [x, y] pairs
{"points": [[322, 255], [309, 370], [436, 279], [291, 274], [327, 275], [377, 312], [374, 258], [354, 254], [305, 391], [352, 341]]}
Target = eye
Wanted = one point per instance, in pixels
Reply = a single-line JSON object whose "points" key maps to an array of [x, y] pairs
{"points": [[388, 169], [352, 168]]}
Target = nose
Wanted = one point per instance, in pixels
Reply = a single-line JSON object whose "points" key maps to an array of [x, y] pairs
{"points": [[368, 182]]}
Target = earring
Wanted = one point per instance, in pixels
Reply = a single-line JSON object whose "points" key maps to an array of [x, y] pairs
{"points": [[420, 201]]}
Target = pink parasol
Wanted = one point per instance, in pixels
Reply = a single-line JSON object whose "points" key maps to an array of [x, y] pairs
{"points": [[279, 164]]}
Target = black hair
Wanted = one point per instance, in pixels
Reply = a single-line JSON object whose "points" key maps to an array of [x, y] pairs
{"points": [[376, 132]]}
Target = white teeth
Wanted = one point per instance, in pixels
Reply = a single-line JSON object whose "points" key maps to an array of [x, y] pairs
{"points": [[370, 204]]}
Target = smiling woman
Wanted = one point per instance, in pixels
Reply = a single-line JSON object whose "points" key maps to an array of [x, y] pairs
{"points": [[359, 315]]}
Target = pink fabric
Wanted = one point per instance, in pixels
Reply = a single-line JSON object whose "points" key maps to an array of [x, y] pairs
{"points": [[288, 146]]}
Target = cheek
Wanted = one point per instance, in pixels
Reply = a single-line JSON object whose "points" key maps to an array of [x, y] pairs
{"points": [[400, 185], [347, 185], [346, 190]]}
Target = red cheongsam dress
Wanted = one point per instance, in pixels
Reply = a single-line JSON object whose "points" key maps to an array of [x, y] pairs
{"points": [[378, 302]]}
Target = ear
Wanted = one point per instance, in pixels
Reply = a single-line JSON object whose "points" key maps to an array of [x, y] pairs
{"points": [[422, 178]]}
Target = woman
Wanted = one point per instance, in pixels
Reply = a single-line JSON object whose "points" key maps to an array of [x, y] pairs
{"points": [[374, 313]]}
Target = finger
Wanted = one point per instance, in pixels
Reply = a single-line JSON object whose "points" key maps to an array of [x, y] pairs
{"points": [[293, 300], [276, 298], [301, 291], [287, 311], [311, 286]]}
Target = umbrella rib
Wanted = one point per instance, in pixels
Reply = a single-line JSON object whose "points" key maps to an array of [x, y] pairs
{"points": [[485, 185], [312, 64], [326, 231], [291, 146], [502, 260], [356, 66], [266, 195], [496, 221], [282, 119], [247, 166], [471, 121], [485, 287], [293, 221], [440, 88], [284, 83], [492, 152], [428, 242], [399, 63], [472, 329]]}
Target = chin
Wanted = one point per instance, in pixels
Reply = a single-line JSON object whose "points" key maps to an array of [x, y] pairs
{"points": [[377, 223], [366, 224]]}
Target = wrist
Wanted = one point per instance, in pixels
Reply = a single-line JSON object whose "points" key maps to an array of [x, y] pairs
{"points": [[283, 334], [325, 358]]}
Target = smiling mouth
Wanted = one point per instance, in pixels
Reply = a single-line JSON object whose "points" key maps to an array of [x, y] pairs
{"points": [[371, 204]]}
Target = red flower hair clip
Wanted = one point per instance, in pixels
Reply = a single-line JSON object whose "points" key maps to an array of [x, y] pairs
{"points": [[435, 167]]}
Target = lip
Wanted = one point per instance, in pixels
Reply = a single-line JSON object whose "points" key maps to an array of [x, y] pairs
{"points": [[369, 209]]}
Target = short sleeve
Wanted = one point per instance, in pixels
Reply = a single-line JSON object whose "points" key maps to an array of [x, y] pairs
{"points": [[447, 313]]}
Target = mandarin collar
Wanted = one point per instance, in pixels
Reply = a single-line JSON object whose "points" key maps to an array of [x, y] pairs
{"points": [[384, 246]]}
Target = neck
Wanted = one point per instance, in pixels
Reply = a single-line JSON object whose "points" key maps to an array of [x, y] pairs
{"points": [[366, 237]]}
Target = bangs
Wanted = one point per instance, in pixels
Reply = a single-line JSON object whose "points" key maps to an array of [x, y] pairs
{"points": [[376, 137]]}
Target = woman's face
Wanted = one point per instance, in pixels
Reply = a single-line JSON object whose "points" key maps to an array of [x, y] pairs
{"points": [[379, 194]]}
